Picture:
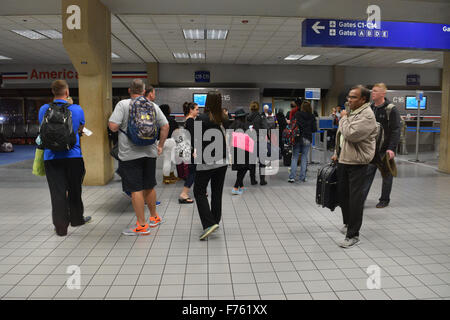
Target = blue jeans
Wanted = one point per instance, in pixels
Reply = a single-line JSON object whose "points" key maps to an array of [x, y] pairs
{"points": [[296, 150]]}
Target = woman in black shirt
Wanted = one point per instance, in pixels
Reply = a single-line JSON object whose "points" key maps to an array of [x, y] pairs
{"points": [[212, 165], [241, 147], [256, 120], [190, 110]]}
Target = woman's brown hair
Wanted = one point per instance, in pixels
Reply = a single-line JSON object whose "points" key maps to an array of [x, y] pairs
{"points": [[214, 106], [254, 106], [306, 107]]}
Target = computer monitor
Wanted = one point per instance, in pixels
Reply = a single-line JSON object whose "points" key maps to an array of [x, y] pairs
{"points": [[411, 103], [200, 99]]}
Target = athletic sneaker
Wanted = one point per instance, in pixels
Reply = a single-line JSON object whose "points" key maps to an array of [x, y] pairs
{"points": [[87, 219], [137, 231], [208, 231], [154, 222], [291, 180], [237, 192], [347, 243]]}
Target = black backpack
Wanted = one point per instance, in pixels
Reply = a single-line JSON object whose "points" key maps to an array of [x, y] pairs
{"points": [[56, 130], [381, 136]]}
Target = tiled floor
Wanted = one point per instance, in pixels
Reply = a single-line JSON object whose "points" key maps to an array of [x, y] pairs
{"points": [[273, 243]]}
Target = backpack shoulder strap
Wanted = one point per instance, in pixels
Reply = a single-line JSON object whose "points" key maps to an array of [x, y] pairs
{"points": [[59, 105], [389, 108]]}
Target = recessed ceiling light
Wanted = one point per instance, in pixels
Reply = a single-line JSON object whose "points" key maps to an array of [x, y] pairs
{"points": [[30, 34], [5, 58], [408, 61], [180, 55], [309, 57], [217, 34], [114, 56], [197, 55], [52, 34], [194, 34], [424, 61], [293, 57]]}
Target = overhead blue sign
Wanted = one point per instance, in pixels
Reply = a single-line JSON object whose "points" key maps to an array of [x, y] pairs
{"points": [[202, 76], [353, 33]]}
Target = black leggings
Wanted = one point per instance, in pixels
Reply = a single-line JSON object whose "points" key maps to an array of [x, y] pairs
{"points": [[240, 174], [209, 215]]}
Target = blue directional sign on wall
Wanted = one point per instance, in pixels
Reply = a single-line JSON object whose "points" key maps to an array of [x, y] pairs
{"points": [[202, 76], [413, 79], [353, 33]]}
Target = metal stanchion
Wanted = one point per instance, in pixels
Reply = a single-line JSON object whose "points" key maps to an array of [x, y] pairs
{"points": [[313, 147], [419, 96]]}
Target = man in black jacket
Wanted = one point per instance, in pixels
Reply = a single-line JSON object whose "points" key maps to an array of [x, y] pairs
{"points": [[258, 122], [389, 118]]}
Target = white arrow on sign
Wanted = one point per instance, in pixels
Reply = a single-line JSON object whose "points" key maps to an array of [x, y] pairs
{"points": [[316, 27]]}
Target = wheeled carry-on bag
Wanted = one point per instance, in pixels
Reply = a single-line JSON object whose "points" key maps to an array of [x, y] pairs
{"points": [[326, 188]]}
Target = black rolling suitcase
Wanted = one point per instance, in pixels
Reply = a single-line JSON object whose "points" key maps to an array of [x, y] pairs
{"points": [[326, 188]]}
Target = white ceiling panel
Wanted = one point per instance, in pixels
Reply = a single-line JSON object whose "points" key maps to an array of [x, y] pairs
{"points": [[147, 31], [272, 21], [168, 26], [219, 20], [242, 27], [192, 19], [137, 19], [217, 26], [251, 20]]}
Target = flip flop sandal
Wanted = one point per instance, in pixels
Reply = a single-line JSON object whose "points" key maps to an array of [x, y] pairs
{"points": [[187, 200]]}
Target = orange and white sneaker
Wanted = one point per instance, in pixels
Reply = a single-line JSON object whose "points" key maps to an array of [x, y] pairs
{"points": [[154, 222], [137, 231]]}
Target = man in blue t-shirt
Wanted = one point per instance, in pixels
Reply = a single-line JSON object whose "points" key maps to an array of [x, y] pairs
{"points": [[65, 169]]}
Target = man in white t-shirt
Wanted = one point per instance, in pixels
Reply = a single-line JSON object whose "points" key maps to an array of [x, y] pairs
{"points": [[137, 164]]}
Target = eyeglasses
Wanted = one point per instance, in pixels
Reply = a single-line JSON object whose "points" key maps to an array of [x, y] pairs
{"points": [[353, 97]]}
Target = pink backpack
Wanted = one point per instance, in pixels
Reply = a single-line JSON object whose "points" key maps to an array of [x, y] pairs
{"points": [[242, 141]]}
